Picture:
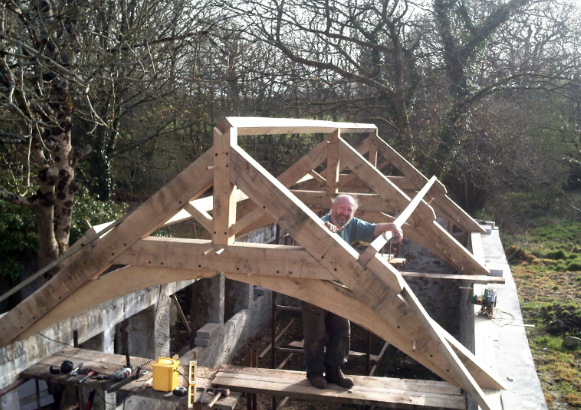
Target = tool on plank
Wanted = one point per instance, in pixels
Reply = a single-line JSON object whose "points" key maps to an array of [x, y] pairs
{"points": [[121, 373], [74, 372], [65, 368], [89, 374], [147, 384], [136, 375], [219, 393], [192, 384], [91, 399], [180, 391], [204, 390]]}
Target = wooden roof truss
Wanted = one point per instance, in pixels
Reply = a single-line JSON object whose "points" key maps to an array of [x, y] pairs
{"points": [[246, 197]]}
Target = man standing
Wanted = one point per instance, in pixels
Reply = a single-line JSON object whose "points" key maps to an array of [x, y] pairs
{"points": [[318, 322]]}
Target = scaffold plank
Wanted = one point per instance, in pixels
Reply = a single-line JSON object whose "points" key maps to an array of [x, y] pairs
{"points": [[374, 391]]}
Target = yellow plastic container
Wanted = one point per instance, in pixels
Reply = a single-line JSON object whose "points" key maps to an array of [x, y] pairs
{"points": [[165, 375]]}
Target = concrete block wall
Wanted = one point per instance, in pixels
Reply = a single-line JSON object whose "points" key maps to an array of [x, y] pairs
{"points": [[20, 355], [232, 311], [232, 335]]}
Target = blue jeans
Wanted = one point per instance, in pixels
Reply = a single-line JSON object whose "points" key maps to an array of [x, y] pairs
{"points": [[318, 323]]}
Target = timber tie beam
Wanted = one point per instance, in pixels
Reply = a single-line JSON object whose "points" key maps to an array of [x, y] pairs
{"points": [[246, 197]]}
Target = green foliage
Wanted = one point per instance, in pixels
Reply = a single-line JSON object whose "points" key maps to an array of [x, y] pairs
{"points": [[574, 266], [554, 343], [18, 238], [18, 234], [89, 208], [560, 318], [556, 254], [532, 305], [550, 301], [551, 245]]}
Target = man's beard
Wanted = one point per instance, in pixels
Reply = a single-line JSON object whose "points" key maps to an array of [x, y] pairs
{"points": [[342, 220]]}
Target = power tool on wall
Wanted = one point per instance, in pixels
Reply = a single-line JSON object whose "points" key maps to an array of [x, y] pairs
{"points": [[487, 302]]}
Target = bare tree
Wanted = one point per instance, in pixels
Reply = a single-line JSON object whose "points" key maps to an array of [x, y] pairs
{"points": [[71, 73], [361, 49]]}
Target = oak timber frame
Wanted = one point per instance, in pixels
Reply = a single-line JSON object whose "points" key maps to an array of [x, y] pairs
{"points": [[246, 197]]}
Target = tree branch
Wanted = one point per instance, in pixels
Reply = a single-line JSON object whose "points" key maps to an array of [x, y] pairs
{"points": [[15, 198]]}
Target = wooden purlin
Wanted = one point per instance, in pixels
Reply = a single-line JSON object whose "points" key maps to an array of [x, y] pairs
{"points": [[378, 286], [91, 262], [341, 301], [458, 216]]}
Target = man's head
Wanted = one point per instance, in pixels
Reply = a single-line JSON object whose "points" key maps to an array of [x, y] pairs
{"points": [[342, 209]]}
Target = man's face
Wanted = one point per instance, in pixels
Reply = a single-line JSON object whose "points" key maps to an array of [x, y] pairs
{"points": [[342, 211]]}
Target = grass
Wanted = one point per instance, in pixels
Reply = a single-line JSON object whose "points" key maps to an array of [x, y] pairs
{"points": [[546, 265]]}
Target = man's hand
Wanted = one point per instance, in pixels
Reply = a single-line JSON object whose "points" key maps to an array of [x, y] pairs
{"points": [[331, 227], [396, 233]]}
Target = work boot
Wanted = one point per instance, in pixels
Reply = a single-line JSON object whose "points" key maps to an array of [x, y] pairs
{"points": [[318, 381], [335, 375]]}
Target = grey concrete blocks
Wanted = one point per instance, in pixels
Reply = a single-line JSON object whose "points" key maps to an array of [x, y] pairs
{"points": [[208, 331], [206, 334], [201, 342]]}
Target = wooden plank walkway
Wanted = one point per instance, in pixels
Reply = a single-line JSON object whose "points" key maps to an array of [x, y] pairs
{"points": [[372, 391], [106, 363]]}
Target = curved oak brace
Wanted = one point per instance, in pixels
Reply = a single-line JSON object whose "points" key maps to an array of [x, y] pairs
{"points": [[340, 300], [378, 285]]}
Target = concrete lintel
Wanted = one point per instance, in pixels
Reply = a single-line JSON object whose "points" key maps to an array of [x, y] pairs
{"points": [[20, 355]]}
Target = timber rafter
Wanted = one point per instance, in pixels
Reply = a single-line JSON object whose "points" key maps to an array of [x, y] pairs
{"points": [[374, 294]]}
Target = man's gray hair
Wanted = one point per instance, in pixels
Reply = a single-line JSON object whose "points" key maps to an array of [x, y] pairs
{"points": [[354, 200]]}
